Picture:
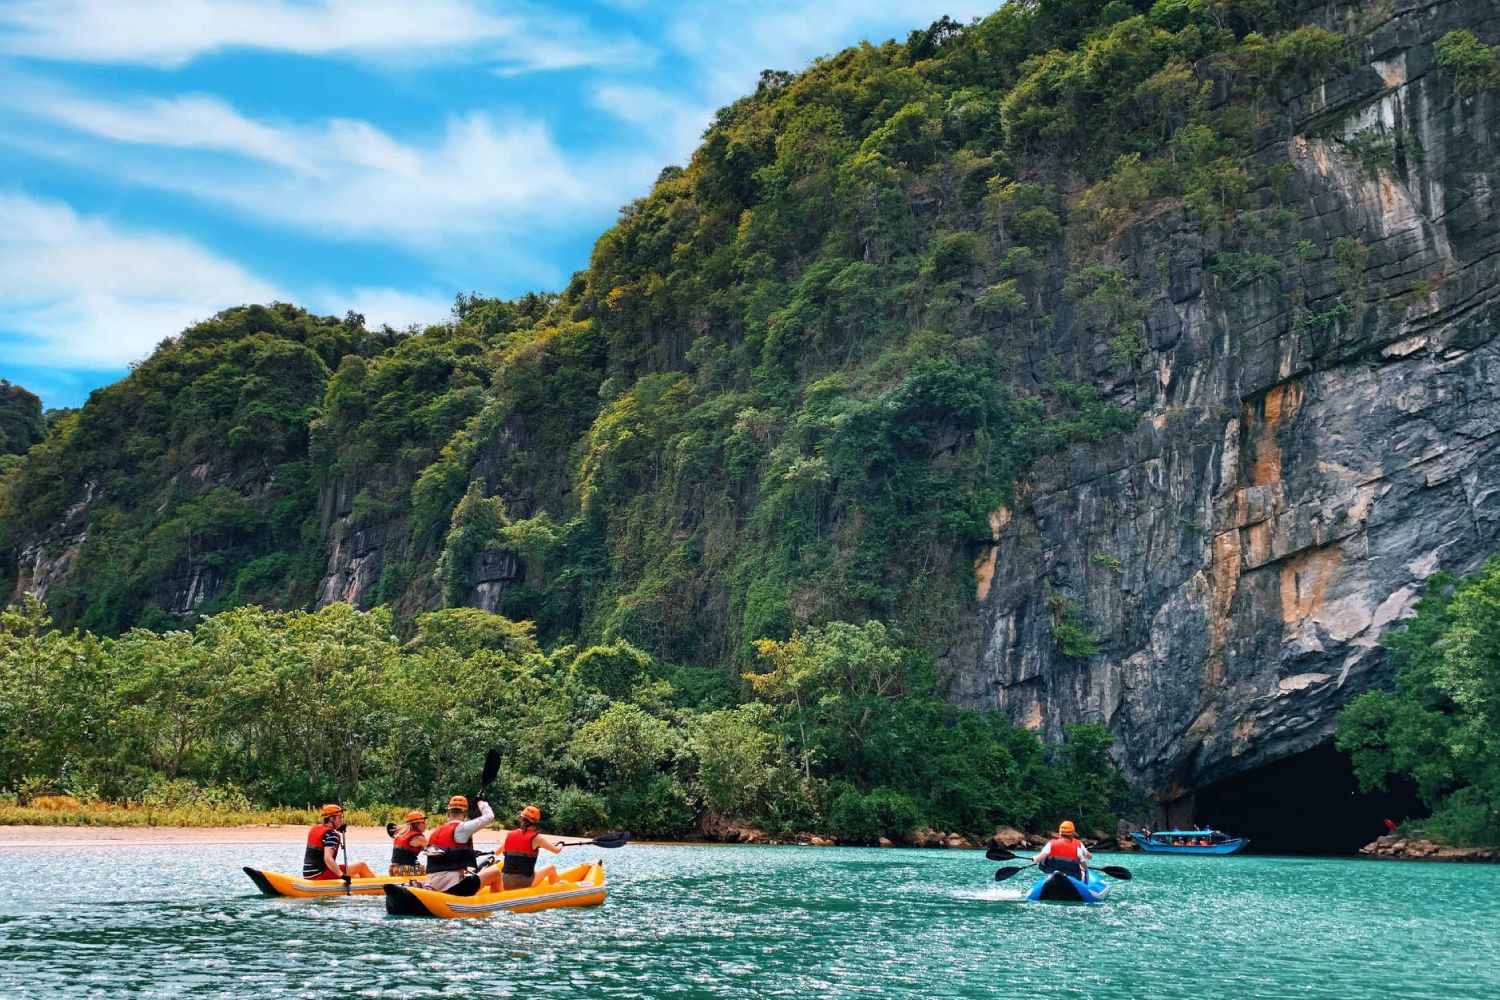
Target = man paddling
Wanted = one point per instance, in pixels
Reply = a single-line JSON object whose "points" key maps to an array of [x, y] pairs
{"points": [[450, 851], [1065, 853], [320, 861]]}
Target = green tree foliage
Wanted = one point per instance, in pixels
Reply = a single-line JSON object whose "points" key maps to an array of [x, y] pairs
{"points": [[1474, 65], [21, 422], [191, 476], [279, 708], [1440, 728], [795, 381]]}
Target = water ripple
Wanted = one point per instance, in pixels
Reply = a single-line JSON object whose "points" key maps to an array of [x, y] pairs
{"points": [[761, 922]]}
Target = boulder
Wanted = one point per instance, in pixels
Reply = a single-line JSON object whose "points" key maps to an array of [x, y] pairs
{"points": [[1008, 837]]}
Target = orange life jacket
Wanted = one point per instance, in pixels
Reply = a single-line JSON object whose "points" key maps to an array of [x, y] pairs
{"points": [[1062, 847], [402, 853], [312, 858], [455, 856], [520, 852]]}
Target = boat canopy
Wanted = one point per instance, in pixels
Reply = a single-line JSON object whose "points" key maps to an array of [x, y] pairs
{"points": [[1188, 833]]}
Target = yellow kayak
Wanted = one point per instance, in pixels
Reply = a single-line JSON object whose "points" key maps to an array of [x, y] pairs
{"points": [[580, 886], [277, 884]]}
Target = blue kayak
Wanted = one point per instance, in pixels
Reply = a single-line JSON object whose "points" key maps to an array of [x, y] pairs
{"points": [[1060, 888]]}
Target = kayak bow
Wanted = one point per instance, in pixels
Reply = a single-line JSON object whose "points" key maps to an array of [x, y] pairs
{"points": [[277, 884]]}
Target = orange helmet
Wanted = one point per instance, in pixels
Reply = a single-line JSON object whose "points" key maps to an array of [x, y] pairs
{"points": [[1066, 826], [330, 810], [458, 802], [532, 813], [416, 817]]}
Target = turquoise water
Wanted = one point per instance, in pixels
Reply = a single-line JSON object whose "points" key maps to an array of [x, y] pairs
{"points": [[761, 922]]}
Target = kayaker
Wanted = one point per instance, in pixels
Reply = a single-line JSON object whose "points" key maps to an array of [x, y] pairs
{"points": [[1065, 853], [406, 858], [320, 860], [521, 847], [451, 854]]}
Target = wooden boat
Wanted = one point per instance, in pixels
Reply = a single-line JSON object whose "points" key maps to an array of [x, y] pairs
{"points": [[1188, 842]]}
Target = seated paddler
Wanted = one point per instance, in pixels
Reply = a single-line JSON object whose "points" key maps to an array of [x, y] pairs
{"points": [[406, 847], [521, 848], [1065, 853], [320, 860], [452, 861]]}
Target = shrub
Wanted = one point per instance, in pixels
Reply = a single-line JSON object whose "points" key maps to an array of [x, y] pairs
{"points": [[1474, 65]]}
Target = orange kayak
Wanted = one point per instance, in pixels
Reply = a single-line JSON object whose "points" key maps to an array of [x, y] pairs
{"points": [[582, 885], [277, 884]]}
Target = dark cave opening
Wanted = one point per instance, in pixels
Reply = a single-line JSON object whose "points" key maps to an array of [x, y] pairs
{"points": [[1308, 803]]}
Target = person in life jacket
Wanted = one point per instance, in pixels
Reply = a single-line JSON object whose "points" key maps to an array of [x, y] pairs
{"points": [[521, 847], [406, 858], [1065, 853], [451, 857], [320, 860]]}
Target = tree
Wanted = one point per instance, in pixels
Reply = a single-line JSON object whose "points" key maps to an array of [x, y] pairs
{"points": [[1440, 728], [21, 422]]}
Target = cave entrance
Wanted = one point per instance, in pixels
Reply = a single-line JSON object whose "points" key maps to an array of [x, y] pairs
{"points": [[1308, 803]]}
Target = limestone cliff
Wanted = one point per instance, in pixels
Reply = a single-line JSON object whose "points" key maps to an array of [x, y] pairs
{"points": [[1320, 437]]}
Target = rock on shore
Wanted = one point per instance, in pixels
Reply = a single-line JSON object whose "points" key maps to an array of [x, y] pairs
{"points": [[1416, 848]]}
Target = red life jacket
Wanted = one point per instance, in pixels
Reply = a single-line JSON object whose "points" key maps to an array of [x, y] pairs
{"points": [[312, 858], [520, 852], [402, 853], [455, 857], [1061, 847]]}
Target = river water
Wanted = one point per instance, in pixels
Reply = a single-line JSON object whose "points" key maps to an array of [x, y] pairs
{"points": [[761, 922]]}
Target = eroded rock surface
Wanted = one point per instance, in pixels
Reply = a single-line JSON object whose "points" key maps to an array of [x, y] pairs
{"points": [[1318, 440]]}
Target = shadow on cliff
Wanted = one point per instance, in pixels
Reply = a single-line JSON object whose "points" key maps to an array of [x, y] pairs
{"points": [[1308, 803]]}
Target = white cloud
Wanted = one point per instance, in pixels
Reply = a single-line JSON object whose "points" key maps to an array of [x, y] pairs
{"points": [[81, 292], [733, 40], [387, 306], [674, 124], [170, 33], [482, 177], [194, 121]]}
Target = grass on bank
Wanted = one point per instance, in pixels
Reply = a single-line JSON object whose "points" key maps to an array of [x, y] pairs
{"points": [[64, 810]]}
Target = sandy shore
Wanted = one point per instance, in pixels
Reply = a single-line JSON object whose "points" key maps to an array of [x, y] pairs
{"points": [[113, 836]]}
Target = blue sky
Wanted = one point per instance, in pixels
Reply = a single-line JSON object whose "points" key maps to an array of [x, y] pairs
{"points": [[162, 160]]}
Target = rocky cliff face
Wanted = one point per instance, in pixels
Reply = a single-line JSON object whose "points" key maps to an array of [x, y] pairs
{"points": [[1320, 436]]}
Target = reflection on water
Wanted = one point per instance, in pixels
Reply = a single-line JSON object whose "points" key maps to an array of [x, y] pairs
{"points": [[761, 922]]}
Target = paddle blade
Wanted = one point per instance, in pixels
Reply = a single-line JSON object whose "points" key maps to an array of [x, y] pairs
{"points": [[999, 854], [1002, 874], [612, 839], [1115, 871], [491, 768], [390, 829]]}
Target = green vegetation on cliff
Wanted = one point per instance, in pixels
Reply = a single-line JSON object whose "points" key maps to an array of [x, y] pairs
{"points": [[792, 385], [21, 422], [791, 390], [1440, 729]]}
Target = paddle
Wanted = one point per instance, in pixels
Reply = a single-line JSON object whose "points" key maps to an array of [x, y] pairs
{"points": [[603, 840], [1001, 854], [344, 842], [491, 770]]}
